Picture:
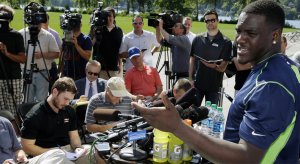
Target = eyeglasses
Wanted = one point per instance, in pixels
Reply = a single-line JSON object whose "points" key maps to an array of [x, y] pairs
{"points": [[210, 21], [137, 23], [93, 73]]}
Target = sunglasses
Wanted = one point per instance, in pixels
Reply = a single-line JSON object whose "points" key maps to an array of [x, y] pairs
{"points": [[137, 23], [210, 21], [93, 73]]}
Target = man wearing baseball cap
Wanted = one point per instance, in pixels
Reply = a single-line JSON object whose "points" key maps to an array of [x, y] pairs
{"points": [[115, 96], [142, 80]]}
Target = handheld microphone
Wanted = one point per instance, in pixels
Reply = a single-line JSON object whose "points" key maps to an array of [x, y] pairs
{"points": [[111, 115]]}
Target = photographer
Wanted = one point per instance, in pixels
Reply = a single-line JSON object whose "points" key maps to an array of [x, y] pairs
{"points": [[106, 49], [75, 61], [12, 53], [180, 48]]}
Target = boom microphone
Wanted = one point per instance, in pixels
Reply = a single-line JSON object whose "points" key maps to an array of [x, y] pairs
{"points": [[111, 115]]}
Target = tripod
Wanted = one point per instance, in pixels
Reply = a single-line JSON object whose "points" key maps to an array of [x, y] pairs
{"points": [[164, 51], [68, 54], [27, 74]]}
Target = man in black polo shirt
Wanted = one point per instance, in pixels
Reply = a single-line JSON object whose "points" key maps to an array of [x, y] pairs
{"points": [[209, 46], [52, 123]]}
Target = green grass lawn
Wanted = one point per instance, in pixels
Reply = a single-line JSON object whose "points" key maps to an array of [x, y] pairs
{"points": [[124, 23]]}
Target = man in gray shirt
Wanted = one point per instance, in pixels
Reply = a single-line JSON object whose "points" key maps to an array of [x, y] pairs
{"points": [[180, 48], [115, 96]]}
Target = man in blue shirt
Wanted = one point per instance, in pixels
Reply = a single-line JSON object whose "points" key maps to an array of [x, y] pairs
{"points": [[263, 122]]}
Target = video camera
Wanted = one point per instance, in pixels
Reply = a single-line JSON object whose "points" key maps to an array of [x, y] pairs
{"points": [[98, 20], [4, 18], [68, 22], [169, 18], [34, 14]]}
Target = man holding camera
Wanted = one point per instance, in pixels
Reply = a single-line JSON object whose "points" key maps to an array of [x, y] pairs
{"points": [[140, 38], [180, 48], [75, 60], [211, 45], [12, 53], [106, 46], [46, 50]]}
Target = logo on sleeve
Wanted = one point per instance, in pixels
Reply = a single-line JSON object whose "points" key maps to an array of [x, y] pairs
{"points": [[257, 134]]}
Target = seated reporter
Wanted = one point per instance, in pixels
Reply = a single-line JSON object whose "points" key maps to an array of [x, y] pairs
{"points": [[11, 149], [52, 123], [115, 96], [91, 84], [142, 81]]}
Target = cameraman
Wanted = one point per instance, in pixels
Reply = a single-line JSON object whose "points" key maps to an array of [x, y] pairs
{"points": [[74, 64], [38, 89], [106, 50], [180, 48], [12, 53]]}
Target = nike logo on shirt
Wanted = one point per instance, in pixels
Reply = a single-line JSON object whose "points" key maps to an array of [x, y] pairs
{"points": [[256, 134]]}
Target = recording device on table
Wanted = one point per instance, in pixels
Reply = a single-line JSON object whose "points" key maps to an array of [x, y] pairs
{"points": [[138, 126], [134, 128], [169, 18], [68, 22], [98, 20]]}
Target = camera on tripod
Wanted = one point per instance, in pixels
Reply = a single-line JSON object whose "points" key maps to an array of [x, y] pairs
{"points": [[169, 18], [34, 14], [99, 20], [4, 18], [68, 22]]}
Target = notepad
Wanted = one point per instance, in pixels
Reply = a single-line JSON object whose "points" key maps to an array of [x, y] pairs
{"points": [[76, 154]]}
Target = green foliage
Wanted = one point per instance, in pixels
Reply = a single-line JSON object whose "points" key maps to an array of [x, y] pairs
{"points": [[124, 22]]}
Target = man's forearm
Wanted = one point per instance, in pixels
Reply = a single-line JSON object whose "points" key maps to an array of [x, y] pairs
{"points": [[83, 53], [165, 34], [51, 55], [34, 150], [191, 68]]}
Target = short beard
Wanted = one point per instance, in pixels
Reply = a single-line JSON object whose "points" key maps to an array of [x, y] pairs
{"points": [[55, 103]]}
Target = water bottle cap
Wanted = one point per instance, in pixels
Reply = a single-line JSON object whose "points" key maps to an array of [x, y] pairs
{"points": [[208, 103], [188, 122], [219, 108], [214, 106]]}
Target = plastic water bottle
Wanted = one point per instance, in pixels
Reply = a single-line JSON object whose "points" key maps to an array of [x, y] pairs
{"points": [[160, 146], [205, 123], [175, 149], [218, 126], [211, 116], [187, 151]]}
